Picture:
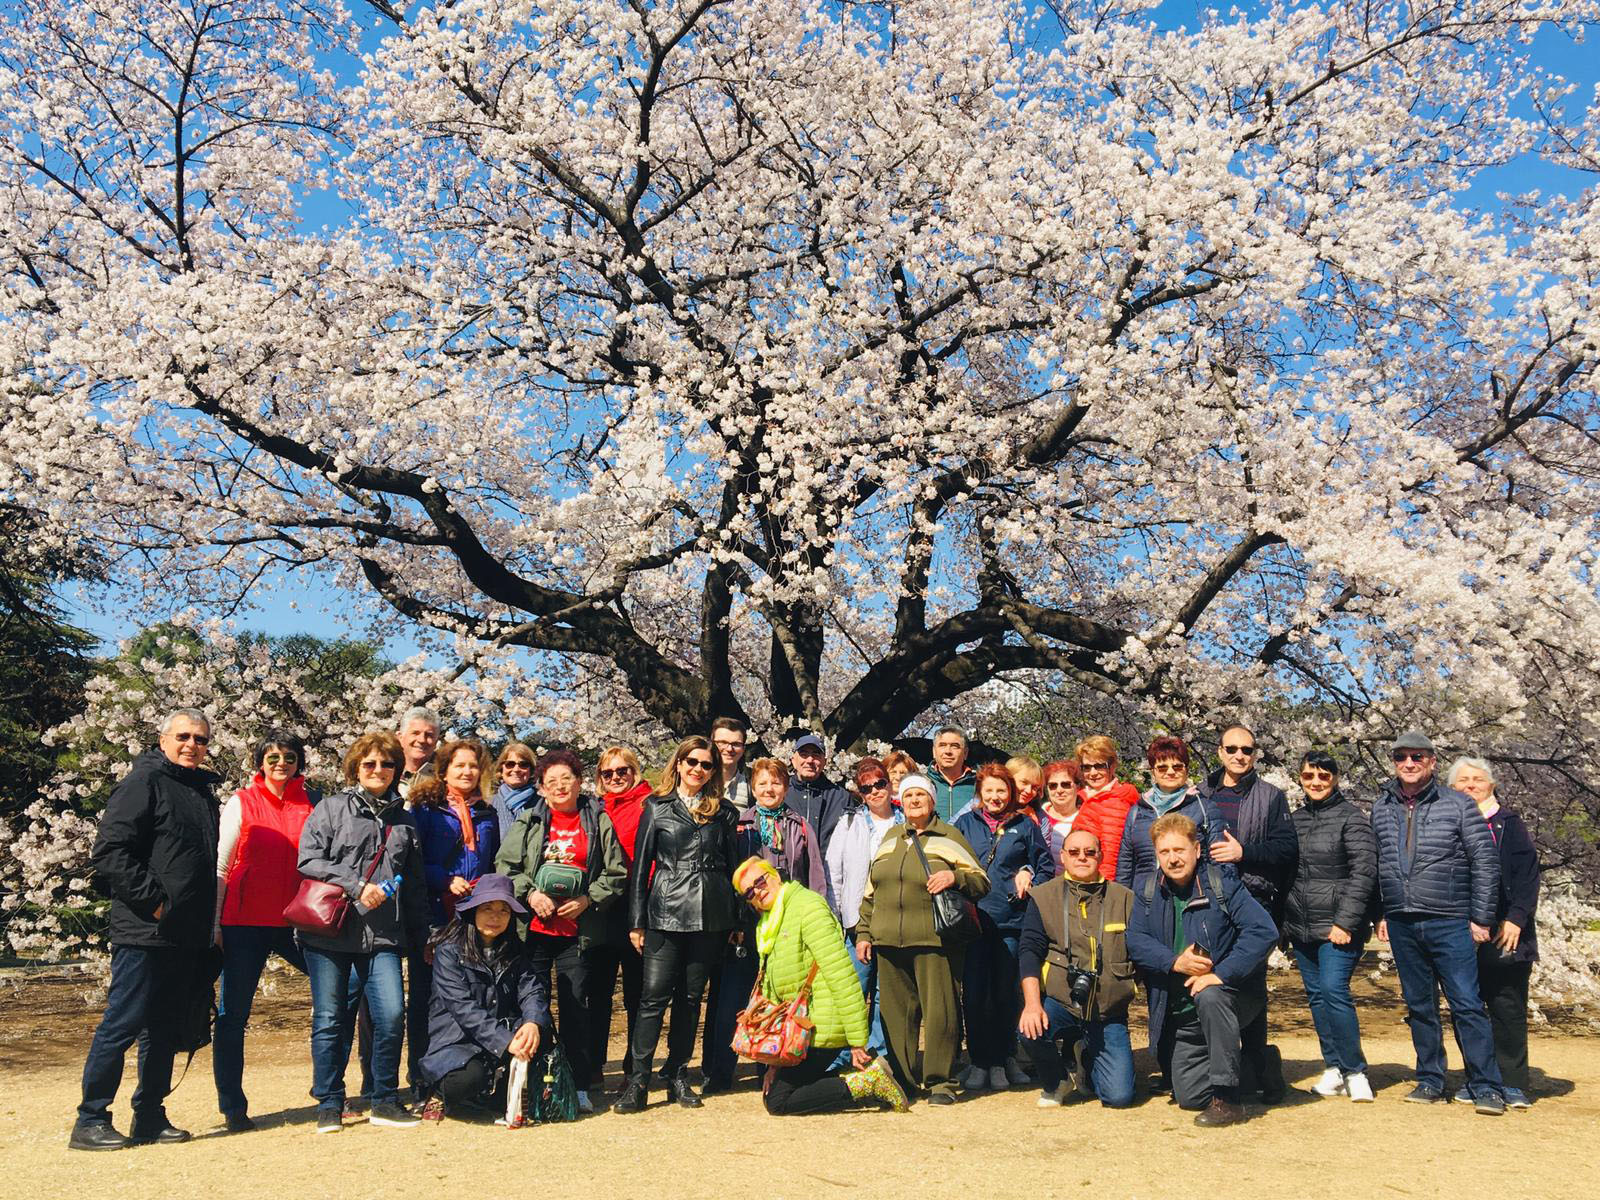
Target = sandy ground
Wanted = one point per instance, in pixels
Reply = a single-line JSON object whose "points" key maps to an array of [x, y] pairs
{"points": [[991, 1145]]}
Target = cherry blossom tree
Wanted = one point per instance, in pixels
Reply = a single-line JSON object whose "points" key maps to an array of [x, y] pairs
{"points": [[821, 363]]}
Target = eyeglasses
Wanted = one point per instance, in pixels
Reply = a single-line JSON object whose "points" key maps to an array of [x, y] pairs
{"points": [[1089, 766], [1170, 768], [199, 739], [1315, 775], [1419, 756], [615, 772], [375, 764], [1247, 751], [877, 785], [512, 764], [272, 759], [699, 764], [1089, 853], [728, 745]]}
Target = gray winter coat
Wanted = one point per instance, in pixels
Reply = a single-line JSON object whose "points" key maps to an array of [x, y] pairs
{"points": [[1436, 857], [340, 839], [1337, 872]]}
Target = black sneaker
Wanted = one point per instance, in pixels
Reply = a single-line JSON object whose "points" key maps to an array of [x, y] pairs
{"points": [[393, 1115], [238, 1123], [633, 1098], [941, 1098], [1490, 1104], [329, 1120], [98, 1136], [1425, 1093]]}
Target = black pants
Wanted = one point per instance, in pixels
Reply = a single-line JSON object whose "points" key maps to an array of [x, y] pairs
{"points": [[810, 1086], [469, 1087], [605, 963], [145, 1004], [1505, 993], [675, 969], [1253, 1036], [570, 993]]}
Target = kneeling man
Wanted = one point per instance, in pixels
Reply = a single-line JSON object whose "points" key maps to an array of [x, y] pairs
{"points": [[1077, 978], [1201, 940]]}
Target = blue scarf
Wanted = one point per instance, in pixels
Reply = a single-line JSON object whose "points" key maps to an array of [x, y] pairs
{"points": [[1164, 802], [514, 801], [769, 827]]}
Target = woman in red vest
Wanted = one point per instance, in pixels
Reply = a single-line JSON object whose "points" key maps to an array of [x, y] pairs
{"points": [[258, 846]]}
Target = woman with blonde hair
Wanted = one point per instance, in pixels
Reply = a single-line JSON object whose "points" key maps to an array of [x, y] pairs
{"points": [[623, 792], [681, 908], [1103, 800], [897, 764], [513, 774]]}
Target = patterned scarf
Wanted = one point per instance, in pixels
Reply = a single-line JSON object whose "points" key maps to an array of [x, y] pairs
{"points": [[770, 827]]}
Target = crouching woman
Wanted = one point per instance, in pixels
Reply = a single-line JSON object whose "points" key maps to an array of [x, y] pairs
{"points": [[488, 1004], [797, 932]]}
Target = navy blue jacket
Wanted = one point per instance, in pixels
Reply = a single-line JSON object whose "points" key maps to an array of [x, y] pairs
{"points": [[1519, 887], [1136, 861], [821, 802], [1020, 844], [444, 850], [1266, 836], [475, 1007], [1436, 857], [1237, 931]]}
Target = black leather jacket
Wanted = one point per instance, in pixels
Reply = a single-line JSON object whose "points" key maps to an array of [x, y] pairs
{"points": [[682, 878]]}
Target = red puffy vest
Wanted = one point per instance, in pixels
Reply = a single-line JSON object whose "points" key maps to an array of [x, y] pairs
{"points": [[264, 876]]}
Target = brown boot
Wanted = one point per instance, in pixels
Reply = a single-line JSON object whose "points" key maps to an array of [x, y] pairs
{"points": [[1220, 1112]]}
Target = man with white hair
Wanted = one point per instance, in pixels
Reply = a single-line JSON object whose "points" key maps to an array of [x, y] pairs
{"points": [[155, 857], [419, 738]]}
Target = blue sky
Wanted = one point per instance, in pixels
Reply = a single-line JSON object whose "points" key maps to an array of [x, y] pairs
{"points": [[304, 605]]}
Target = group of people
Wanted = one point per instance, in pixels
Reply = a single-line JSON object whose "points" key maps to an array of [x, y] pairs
{"points": [[1013, 909]]}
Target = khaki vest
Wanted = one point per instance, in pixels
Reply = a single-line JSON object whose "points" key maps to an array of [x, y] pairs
{"points": [[1114, 989]]}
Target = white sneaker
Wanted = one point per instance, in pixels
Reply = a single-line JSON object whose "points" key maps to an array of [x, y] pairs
{"points": [[997, 1079], [1015, 1074], [584, 1106], [975, 1079], [1056, 1098], [1358, 1087], [1329, 1083]]}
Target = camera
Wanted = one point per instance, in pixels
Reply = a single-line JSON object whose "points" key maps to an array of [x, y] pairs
{"points": [[1080, 984]]}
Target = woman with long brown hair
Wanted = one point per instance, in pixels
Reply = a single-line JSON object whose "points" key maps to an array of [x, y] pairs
{"points": [[682, 907]]}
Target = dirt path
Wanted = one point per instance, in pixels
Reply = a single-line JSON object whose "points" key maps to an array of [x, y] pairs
{"points": [[994, 1145]]}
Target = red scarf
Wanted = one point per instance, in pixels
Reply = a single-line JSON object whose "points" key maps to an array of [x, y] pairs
{"points": [[463, 811]]}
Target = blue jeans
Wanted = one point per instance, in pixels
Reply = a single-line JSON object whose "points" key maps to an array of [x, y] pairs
{"points": [[245, 950], [1326, 970], [1434, 952], [333, 1021], [991, 995], [1107, 1053], [144, 1004], [718, 1060]]}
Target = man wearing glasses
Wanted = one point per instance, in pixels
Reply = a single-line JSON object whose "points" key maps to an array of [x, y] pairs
{"points": [[1077, 978], [1439, 876], [1264, 853], [155, 856], [728, 736]]}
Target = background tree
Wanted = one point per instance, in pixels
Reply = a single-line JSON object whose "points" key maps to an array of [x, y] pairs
{"points": [[822, 363]]}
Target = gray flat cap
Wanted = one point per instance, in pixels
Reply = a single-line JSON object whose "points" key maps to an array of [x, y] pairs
{"points": [[1414, 739]]}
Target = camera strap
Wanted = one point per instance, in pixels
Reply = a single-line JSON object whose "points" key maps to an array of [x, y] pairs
{"points": [[1097, 950]]}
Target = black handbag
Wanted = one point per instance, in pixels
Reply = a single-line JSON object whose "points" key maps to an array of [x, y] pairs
{"points": [[955, 918]]}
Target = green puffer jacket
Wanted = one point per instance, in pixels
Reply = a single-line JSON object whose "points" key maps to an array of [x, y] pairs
{"points": [[810, 933]]}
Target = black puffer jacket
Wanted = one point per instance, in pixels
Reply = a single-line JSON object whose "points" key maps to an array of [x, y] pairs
{"points": [[1436, 857], [683, 871], [1337, 872], [157, 848]]}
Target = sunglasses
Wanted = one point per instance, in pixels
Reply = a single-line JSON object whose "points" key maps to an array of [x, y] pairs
{"points": [[749, 893], [1401, 756], [877, 785], [1315, 775], [516, 764], [375, 764], [616, 772], [699, 764], [280, 758], [1247, 751], [1081, 853], [1088, 766], [199, 739], [1170, 768], [1060, 785]]}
